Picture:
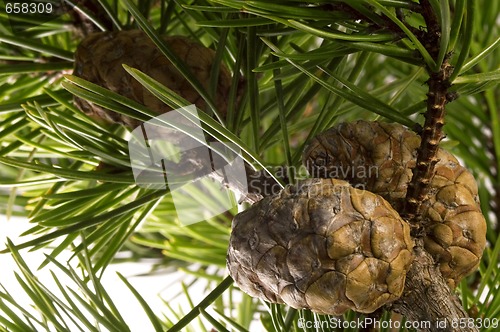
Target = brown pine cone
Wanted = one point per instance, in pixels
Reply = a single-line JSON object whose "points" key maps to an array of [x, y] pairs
{"points": [[379, 157], [321, 245], [456, 236], [100, 56], [371, 155]]}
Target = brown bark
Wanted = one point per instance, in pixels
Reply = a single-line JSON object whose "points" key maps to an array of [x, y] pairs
{"points": [[427, 298], [432, 134]]}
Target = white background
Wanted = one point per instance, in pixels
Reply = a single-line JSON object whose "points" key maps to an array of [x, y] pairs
{"points": [[150, 286]]}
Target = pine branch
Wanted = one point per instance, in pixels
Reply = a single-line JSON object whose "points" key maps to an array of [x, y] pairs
{"points": [[432, 134], [424, 283], [427, 298]]}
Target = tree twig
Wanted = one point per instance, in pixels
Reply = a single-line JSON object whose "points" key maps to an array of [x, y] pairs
{"points": [[427, 300], [424, 283], [432, 134]]}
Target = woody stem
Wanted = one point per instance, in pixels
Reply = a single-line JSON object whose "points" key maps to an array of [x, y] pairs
{"points": [[432, 134]]}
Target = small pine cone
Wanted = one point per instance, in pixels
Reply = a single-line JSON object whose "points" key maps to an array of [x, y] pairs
{"points": [[100, 56], [380, 157], [321, 245], [371, 155], [456, 235]]}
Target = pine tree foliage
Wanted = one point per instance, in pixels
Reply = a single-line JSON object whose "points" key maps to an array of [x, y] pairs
{"points": [[297, 67]]}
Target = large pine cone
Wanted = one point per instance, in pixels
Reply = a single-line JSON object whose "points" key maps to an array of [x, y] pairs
{"points": [[379, 157], [100, 56], [321, 245]]}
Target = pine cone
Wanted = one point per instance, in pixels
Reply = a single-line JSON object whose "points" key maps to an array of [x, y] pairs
{"points": [[100, 56], [321, 245], [456, 236], [379, 157], [370, 155]]}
